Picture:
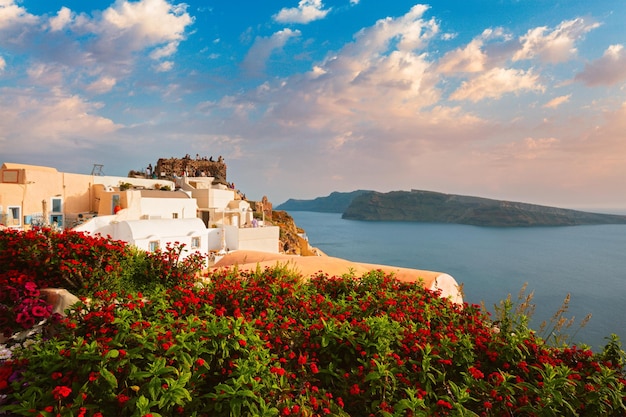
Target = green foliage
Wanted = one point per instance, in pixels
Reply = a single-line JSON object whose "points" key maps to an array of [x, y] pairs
{"points": [[268, 343]]}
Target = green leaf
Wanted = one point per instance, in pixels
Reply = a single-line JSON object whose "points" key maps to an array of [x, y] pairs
{"points": [[109, 377], [143, 405]]}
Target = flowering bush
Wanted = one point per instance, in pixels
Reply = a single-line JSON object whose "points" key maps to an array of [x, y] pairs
{"points": [[20, 304], [84, 264], [267, 343]]}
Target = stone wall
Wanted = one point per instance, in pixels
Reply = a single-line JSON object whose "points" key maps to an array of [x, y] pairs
{"points": [[193, 167]]}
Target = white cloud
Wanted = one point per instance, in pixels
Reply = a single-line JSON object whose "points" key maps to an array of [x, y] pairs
{"points": [[165, 51], [608, 70], [48, 122], [71, 49], [468, 59], [63, 18], [46, 74], [165, 66], [257, 56], [553, 46], [374, 98], [557, 101], [472, 57], [102, 85], [307, 11], [3, 64], [405, 33], [497, 82], [129, 27], [13, 16]]}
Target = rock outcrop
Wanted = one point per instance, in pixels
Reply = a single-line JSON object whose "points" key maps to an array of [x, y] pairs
{"points": [[193, 167], [292, 240]]}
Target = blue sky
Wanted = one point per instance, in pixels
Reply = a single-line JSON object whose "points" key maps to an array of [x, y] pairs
{"points": [[521, 100]]}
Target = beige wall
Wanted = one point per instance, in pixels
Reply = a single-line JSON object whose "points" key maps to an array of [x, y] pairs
{"points": [[30, 186]]}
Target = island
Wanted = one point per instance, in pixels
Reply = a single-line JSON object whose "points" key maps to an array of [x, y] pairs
{"points": [[435, 207]]}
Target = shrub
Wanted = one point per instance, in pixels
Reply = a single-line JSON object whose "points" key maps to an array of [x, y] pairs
{"points": [[84, 264], [266, 342]]}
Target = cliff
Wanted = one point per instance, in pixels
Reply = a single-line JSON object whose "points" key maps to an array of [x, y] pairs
{"points": [[291, 237], [433, 207], [336, 202]]}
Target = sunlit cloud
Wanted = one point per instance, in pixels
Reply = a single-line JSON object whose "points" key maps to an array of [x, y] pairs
{"points": [[405, 101], [52, 121], [263, 47], [307, 11], [557, 45], [63, 18], [557, 101], [13, 17], [497, 82], [102, 85], [164, 66], [607, 70]]}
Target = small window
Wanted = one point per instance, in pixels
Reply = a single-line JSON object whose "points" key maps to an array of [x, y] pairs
{"points": [[57, 205], [10, 175], [195, 242], [174, 215], [14, 216], [115, 203], [56, 220], [154, 245]]}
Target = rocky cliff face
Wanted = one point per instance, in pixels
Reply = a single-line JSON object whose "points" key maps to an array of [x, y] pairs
{"points": [[291, 240]]}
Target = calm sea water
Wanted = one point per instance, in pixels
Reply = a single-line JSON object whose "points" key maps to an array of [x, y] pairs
{"points": [[588, 262]]}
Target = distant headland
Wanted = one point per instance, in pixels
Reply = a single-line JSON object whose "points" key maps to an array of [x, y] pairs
{"points": [[434, 207]]}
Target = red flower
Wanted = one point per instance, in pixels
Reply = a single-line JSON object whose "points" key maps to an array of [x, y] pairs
{"points": [[242, 343], [61, 391], [39, 311], [476, 373], [122, 398], [355, 389], [444, 404]]}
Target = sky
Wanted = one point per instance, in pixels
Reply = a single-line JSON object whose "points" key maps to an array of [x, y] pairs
{"points": [[521, 100]]}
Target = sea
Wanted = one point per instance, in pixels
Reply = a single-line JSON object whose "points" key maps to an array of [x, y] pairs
{"points": [[586, 262]]}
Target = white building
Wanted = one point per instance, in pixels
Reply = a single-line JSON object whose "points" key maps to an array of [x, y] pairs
{"points": [[147, 213]]}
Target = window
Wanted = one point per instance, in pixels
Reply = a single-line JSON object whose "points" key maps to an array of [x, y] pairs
{"points": [[195, 242], [153, 245], [115, 203], [57, 205], [56, 220], [10, 175], [14, 216], [174, 215], [56, 214]]}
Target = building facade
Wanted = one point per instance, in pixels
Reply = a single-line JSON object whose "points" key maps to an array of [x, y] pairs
{"points": [[205, 215]]}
